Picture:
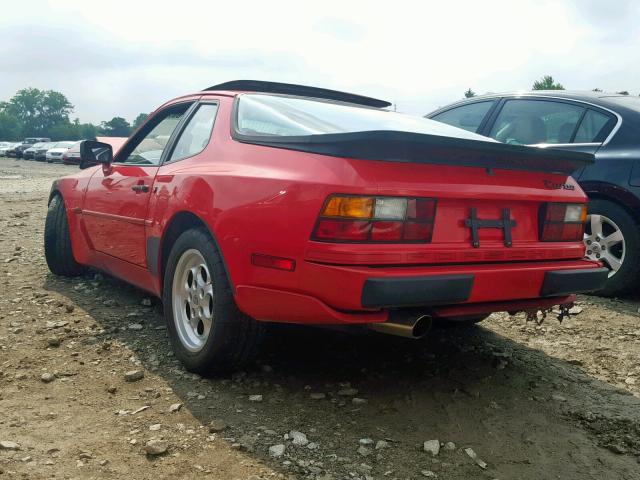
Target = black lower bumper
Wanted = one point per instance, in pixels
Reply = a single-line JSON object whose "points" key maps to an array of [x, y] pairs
{"points": [[394, 292], [416, 291], [565, 282]]}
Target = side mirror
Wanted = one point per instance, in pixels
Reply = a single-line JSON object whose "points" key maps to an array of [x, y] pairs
{"points": [[93, 152]]}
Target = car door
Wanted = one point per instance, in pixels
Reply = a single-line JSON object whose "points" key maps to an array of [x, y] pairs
{"points": [[115, 205], [550, 123]]}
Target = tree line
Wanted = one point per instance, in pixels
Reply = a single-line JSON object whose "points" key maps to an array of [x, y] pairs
{"points": [[46, 113], [547, 82]]}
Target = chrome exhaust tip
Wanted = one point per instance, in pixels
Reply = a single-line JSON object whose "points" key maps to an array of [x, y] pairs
{"points": [[403, 324]]}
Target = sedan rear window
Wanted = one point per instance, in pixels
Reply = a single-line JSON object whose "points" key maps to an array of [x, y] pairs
{"points": [[276, 115]]}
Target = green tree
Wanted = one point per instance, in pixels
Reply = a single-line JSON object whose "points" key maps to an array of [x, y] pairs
{"points": [[10, 127], [139, 119], [547, 83], [116, 127], [469, 93], [39, 110], [597, 90], [89, 131], [623, 92]]}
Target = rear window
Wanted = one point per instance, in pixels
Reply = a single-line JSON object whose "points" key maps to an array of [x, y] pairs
{"points": [[276, 115]]}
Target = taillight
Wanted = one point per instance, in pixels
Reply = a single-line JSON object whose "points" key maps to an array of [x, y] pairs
{"points": [[363, 219], [562, 222]]}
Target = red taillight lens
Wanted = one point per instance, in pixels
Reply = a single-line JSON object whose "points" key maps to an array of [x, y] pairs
{"points": [[562, 222], [363, 219], [343, 230], [386, 231]]}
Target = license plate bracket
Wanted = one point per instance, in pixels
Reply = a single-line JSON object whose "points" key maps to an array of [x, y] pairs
{"points": [[506, 223]]}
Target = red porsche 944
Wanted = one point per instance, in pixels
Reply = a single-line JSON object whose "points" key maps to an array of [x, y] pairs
{"points": [[255, 202]]}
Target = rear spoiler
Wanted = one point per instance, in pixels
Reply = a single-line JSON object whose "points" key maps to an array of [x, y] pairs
{"points": [[396, 146]]}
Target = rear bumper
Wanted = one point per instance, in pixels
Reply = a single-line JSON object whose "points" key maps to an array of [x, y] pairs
{"points": [[448, 289], [340, 294], [565, 282]]}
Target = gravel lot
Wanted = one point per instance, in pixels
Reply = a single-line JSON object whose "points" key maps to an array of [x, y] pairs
{"points": [[89, 387]]}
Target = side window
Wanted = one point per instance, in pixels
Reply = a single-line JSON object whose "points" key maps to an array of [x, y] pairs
{"points": [[528, 122], [468, 117], [148, 151], [195, 136], [595, 127]]}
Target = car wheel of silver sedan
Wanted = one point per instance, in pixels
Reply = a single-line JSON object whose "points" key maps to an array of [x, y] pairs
{"points": [[612, 236], [605, 242]]}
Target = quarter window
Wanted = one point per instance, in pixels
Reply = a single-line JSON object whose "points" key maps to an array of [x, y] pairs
{"points": [[468, 117], [594, 127], [196, 134], [529, 122]]}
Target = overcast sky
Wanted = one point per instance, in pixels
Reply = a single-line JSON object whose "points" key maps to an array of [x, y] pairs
{"points": [[120, 58]]}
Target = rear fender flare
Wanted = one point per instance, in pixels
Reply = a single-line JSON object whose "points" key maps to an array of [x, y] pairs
{"points": [[615, 193], [158, 248]]}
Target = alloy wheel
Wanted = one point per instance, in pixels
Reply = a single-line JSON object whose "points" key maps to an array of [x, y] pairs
{"points": [[605, 242], [193, 300]]}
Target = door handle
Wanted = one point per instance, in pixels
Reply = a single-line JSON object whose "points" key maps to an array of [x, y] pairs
{"points": [[140, 188]]}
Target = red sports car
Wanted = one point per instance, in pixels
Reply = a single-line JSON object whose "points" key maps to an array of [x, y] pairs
{"points": [[255, 202]]}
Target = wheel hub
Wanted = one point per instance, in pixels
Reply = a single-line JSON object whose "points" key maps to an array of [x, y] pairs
{"points": [[193, 298], [604, 242]]}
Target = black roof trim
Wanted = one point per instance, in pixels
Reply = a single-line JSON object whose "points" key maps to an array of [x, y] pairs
{"points": [[299, 90]]}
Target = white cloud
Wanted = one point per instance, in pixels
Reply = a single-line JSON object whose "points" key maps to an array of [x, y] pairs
{"points": [[124, 57]]}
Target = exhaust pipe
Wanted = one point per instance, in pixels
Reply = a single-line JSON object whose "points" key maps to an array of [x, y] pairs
{"points": [[404, 324]]}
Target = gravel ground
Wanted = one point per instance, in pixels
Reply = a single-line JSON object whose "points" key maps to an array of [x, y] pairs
{"points": [[89, 387]]}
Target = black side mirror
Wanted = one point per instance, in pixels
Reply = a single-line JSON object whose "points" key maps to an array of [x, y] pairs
{"points": [[95, 152]]}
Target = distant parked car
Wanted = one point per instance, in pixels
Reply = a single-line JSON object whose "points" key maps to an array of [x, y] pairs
{"points": [[55, 153], [32, 140], [6, 147], [605, 124], [19, 150], [41, 151], [72, 155], [28, 142], [30, 153]]}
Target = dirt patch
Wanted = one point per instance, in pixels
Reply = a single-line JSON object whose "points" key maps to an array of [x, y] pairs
{"points": [[89, 387]]}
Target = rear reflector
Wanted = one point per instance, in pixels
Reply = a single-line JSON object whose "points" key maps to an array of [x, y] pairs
{"points": [[562, 222], [269, 261], [348, 218]]}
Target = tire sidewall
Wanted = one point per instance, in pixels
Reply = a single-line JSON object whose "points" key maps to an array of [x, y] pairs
{"points": [[206, 356], [627, 276]]}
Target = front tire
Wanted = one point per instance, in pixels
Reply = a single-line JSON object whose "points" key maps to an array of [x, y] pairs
{"points": [[208, 332], [58, 251], [612, 236]]}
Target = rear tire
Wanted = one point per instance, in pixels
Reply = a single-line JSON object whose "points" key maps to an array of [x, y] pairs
{"points": [[57, 244], [208, 332], [613, 216]]}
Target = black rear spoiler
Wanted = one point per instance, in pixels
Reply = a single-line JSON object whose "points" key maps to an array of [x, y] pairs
{"points": [[395, 146], [299, 90]]}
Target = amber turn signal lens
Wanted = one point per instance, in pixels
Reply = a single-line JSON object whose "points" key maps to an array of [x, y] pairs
{"points": [[351, 207]]}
